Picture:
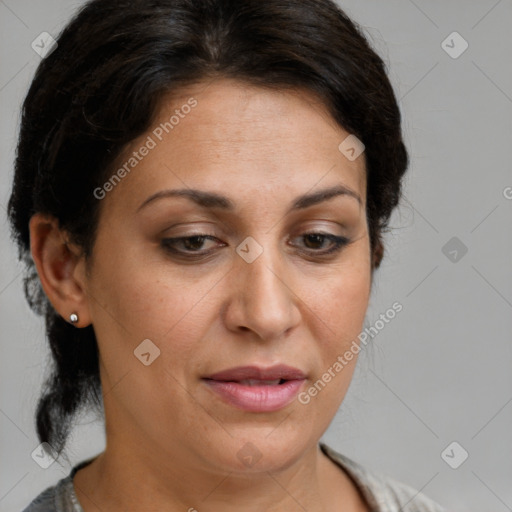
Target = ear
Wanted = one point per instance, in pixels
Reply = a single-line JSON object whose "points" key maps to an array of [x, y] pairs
{"points": [[61, 268]]}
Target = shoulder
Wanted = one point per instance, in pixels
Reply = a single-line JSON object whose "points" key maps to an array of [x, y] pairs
{"points": [[383, 493], [57, 498], [60, 497], [45, 501]]}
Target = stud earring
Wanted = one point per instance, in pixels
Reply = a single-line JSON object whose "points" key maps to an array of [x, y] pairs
{"points": [[73, 318]]}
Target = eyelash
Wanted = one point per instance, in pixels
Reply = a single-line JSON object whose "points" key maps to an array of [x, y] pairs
{"points": [[168, 244]]}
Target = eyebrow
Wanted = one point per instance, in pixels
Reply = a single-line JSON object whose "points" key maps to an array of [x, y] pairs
{"points": [[213, 200]]}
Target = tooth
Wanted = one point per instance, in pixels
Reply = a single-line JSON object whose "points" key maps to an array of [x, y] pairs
{"points": [[254, 382]]}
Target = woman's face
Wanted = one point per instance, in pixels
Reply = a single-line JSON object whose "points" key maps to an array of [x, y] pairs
{"points": [[258, 291]]}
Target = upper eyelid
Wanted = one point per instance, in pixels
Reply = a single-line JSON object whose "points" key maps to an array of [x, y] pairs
{"points": [[336, 223], [326, 227], [209, 236]]}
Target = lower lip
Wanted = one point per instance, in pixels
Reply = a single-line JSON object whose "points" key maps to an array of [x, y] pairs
{"points": [[256, 398]]}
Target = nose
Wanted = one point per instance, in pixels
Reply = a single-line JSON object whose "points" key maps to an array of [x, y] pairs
{"points": [[262, 299]]}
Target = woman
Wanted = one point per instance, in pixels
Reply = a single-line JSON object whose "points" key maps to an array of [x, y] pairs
{"points": [[200, 195]]}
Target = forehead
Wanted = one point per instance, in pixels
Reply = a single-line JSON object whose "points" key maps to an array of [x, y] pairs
{"points": [[226, 136]]}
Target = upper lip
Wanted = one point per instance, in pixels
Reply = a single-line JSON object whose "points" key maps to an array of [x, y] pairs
{"points": [[280, 371]]}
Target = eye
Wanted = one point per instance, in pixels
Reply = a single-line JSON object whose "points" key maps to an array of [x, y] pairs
{"points": [[190, 245], [193, 246], [314, 242]]}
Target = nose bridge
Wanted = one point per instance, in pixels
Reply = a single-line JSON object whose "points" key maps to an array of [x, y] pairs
{"points": [[266, 304]]}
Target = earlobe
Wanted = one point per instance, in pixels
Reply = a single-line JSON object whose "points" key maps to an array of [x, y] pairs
{"points": [[56, 262]]}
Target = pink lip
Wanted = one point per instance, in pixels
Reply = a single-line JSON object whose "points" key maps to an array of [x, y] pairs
{"points": [[264, 398], [279, 371]]}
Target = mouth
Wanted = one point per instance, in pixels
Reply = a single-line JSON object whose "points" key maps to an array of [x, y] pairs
{"points": [[256, 389], [257, 382], [271, 374]]}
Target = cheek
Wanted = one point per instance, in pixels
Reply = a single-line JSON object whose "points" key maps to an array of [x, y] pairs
{"points": [[338, 325], [338, 316], [340, 300], [147, 297], [149, 301], [146, 303], [339, 307]]}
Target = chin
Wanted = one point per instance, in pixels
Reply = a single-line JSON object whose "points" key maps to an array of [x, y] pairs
{"points": [[258, 450]]}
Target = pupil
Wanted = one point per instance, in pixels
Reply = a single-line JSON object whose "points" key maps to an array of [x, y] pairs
{"points": [[316, 239], [194, 242]]}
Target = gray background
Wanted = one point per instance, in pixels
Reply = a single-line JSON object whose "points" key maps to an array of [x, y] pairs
{"points": [[441, 370]]}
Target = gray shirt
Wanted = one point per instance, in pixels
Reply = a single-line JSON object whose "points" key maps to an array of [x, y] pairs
{"points": [[382, 494]]}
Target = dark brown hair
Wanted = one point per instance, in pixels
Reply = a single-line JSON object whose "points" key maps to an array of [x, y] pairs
{"points": [[101, 88]]}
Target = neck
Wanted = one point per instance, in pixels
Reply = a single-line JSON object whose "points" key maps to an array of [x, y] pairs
{"points": [[120, 477]]}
